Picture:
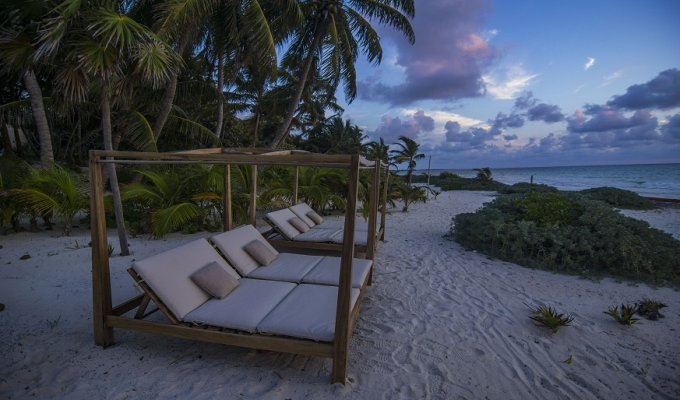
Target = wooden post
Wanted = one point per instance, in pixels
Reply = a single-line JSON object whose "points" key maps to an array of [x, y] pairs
{"points": [[342, 313], [373, 213], [296, 185], [384, 202], [253, 195], [101, 277], [228, 217]]}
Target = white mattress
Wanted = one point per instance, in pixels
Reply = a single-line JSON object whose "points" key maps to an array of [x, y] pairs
{"points": [[280, 221], [307, 312], [327, 272], [287, 267], [245, 307]]}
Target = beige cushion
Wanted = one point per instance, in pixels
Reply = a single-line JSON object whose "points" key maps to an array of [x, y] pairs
{"points": [[214, 280], [232, 243], [315, 217], [260, 252], [327, 272], [299, 224]]}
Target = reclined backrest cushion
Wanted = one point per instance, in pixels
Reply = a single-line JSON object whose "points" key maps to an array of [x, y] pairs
{"points": [[232, 244], [301, 210], [280, 220], [168, 275]]}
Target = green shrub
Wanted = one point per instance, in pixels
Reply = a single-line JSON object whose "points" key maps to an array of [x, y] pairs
{"points": [[625, 315], [619, 198], [525, 187], [450, 181], [569, 233], [548, 317], [650, 309]]}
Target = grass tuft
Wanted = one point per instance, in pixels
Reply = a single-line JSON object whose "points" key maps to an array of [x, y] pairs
{"points": [[548, 317], [650, 309], [625, 315]]}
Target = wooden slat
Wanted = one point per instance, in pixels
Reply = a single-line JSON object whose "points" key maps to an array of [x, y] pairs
{"points": [[252, 341], [253, 195], [228, 213], [373, 212], [383, 214], [101, 278], [147, 290], [342, 319], [296, 185], [334, 247], [142, 308], [128, 305]]}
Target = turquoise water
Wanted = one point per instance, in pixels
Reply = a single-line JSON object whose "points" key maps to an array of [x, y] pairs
{"points": [[653, 180]]}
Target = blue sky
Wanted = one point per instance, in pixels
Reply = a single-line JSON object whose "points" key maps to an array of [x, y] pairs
{"points": [[529, 83]]}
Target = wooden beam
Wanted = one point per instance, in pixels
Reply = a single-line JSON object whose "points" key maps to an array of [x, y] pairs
{"points": [[228, 214], [373, 212], [296, 185], [342, 316], [253, 195], [252, 341], [383, 214], [128, 305], [101, 277]]}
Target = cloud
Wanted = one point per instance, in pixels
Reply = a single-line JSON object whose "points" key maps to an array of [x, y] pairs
{"points": [[448, 58], [525, 101], [598, 118], [589, 63], [478, 136], [411, 126], [546, 113], [609, 79], [603, 127], [671, 130], [505, 83], [662, 92]]}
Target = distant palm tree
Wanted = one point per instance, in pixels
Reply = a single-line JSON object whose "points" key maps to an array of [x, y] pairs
{"points": [[330, 39], [378, 151], [408, 153], [484, 174]]}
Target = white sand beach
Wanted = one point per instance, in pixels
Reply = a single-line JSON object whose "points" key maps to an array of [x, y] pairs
{"points": [[439, 322]]}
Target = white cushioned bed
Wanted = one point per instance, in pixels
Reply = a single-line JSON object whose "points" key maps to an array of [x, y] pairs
{"points": [[317, 234], [288, 267], [307, 312], [335, 222]]}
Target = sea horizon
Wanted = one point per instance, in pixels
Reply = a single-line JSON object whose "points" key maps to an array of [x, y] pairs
{"points": [[651, 180]]}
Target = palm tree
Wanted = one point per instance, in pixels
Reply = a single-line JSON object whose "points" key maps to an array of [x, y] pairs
{"points": [[484, 174], [101, 46], [330, 39], [378, 151], [20, 23], [408, 153], [53, 190]]}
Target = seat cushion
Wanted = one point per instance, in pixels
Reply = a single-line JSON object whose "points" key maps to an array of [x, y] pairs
{"points": [[327, 272], [168, 275], [288, 267], [320, 235], [232, 243], [245, 307], [308, 312]]}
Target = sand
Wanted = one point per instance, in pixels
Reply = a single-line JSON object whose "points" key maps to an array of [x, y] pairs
{"points": [[439, 322]]}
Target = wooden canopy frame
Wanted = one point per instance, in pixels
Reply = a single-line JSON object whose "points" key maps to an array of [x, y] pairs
{"points": [[106, 317]]}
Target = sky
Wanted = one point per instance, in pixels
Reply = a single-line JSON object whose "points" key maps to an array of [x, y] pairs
{"points": [[527, 83]]}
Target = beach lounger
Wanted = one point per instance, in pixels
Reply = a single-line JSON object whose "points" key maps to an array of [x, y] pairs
{"points": [[303, 210], [288, 267], [304, 311], [281, 222]]}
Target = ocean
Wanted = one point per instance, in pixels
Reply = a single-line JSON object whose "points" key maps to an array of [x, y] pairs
{"points": [[651, 180]]}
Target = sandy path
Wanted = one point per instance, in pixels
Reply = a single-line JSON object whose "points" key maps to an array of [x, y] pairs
{"points": [[439, 323]]}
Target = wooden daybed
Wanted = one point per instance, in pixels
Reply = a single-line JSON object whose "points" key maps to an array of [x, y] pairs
{"points": [[106, 317]]}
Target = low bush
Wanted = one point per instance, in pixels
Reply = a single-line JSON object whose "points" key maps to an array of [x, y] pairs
{"points": [[525, 187], [567, 232], [619, 198]]}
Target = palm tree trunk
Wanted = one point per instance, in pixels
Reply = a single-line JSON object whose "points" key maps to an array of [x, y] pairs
{"points": [[220, 96], [285, 127], [170, 90], [257, 127], [113, 178], [38, 107]]}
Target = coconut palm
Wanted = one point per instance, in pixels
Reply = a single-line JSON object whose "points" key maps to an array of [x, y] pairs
{"points": [[408, 153], [335, 136], [330, 39], [484, 174], [102, 47], [53, 191], [378, 151], [409, 194], [20, 23]]}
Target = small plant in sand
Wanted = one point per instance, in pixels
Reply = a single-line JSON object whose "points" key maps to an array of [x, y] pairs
{"points": [[110, 249], [650, 309], [624, 316], [548, 317]]}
